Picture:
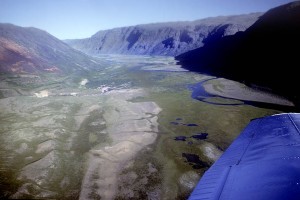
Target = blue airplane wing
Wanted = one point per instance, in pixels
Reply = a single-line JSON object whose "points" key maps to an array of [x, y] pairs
{"points": [[263, 163]]}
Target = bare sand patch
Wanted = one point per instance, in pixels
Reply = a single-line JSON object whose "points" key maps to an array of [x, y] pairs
{"points": [[235, 90], [42, 94], [83, 82], [210, 151]]}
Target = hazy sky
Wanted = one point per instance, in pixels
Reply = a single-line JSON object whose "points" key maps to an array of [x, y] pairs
{"points": [[68, 19]]}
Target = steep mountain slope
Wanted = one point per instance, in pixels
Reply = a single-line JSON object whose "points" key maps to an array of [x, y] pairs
{"points": [[32, 50], [163, 38], [264, 55]]}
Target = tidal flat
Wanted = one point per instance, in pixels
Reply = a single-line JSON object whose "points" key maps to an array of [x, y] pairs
{"points": [[111, 133]]}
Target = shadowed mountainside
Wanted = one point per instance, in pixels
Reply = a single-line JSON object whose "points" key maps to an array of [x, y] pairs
{"points": [[264, 55], [32, 50], [169, 39]]}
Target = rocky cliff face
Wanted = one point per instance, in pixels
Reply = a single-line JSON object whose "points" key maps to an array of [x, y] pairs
{"points": [[163, 38], [30, 50], [264, 55]]}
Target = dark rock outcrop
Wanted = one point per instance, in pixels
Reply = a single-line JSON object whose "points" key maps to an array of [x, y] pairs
{"points": [[170, 39], [265, 55], [30, 50]]}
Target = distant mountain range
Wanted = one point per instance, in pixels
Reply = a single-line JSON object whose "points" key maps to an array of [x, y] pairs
{"points": [[169, 39], [32, 50], [266, 54]]}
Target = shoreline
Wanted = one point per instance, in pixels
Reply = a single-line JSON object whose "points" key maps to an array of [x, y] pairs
{"points": [[238, 91]]}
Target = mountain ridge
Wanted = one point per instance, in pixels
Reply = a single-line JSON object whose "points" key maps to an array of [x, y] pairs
{"points": [[31, 50], [263, 55], [169, 38]]}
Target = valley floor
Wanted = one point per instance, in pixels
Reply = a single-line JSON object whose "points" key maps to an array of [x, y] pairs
{"points": [[128, 130]]}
